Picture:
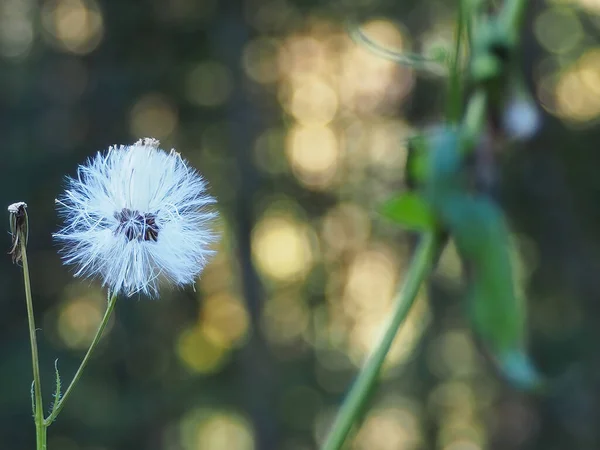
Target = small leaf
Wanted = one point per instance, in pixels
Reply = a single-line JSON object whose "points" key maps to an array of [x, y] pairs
{"points": [[416, 162], [57, 392], [409, 210]]}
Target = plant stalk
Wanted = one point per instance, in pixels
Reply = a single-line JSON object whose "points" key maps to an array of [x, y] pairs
{"points": [[40, 428], [59, 403], [357, 397], [473, 122], [455, 88]]}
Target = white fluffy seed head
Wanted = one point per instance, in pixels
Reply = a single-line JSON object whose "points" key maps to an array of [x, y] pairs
{"points": [[136, 215]]}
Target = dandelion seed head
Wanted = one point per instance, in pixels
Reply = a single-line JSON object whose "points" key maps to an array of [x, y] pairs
{"points": [[135, 215]]}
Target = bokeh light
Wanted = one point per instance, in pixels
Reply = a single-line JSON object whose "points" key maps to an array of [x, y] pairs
{"points": [[454, 403], [558, 30], [285, 318], [208, 84], [313, 102], [153, 115], [369, 83], [199, 351], [206, 429], [449, 265], [367, 300], [593, 6], [224, 319], [313, 153], [389, 429], [454, 355], [16, 28], [345, 228], [261, 60], [282, 248], [268, 154], [78, 317], [74, 26], [577, 89]]}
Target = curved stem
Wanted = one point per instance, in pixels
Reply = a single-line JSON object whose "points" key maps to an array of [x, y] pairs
{"points": [[359, 392], [455, 88], [40, 429], [58, 406], [415, 61], [474, 119]]}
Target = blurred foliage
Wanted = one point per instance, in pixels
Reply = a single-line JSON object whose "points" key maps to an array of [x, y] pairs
{"points": [[301, 134]]}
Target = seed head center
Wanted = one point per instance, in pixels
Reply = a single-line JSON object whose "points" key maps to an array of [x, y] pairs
{"points": [[136, 225]]}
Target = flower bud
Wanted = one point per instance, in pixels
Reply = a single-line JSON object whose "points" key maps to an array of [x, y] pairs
{"points": [[19, 229]]}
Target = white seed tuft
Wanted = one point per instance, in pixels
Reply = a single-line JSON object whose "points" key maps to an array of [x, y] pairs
{"points": [[135, 215]]}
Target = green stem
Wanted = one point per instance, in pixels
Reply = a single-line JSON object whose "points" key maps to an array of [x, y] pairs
{"points": [[58, 406], [473, 123], [512, 15], [474, 119], [455, 87], [40, 429], [359, 392]]}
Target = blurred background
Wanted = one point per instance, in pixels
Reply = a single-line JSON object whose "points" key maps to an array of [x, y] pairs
{"points": [[300, 133]]}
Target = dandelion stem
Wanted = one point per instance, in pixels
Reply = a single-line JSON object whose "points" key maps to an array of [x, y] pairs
{"points": [[112, 300], [40, 428], [359, 392]]}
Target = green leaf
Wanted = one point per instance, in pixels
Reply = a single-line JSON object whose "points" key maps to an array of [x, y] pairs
{"points": [[409, 210], [57, 392], [416, 162]]}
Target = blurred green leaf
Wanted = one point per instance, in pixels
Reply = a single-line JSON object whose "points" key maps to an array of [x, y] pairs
{"points": [[409, 210], [416, 161]]}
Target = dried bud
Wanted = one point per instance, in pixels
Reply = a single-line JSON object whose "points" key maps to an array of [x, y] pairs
{"points": [[19, 228]]}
